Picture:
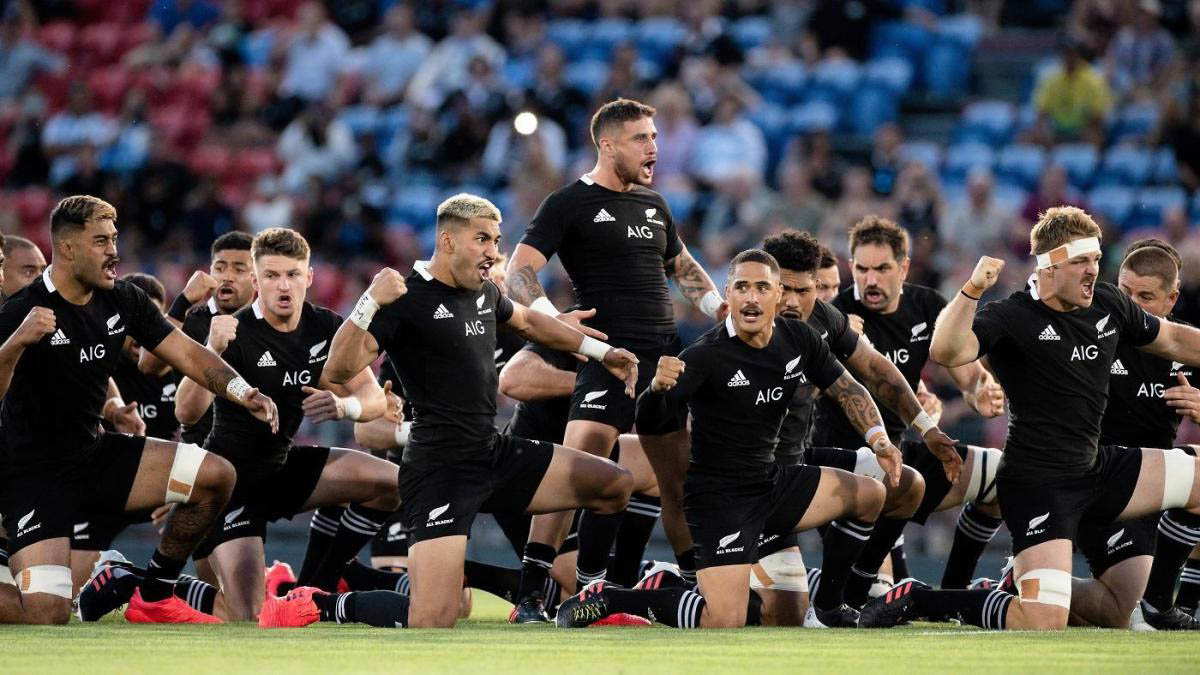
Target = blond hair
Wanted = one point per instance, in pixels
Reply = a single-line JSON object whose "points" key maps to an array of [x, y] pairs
{"points": [[1058, 225], [280, 241], [462, 207]]}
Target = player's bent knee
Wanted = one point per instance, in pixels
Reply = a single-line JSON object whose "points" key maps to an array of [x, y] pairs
{"points": [[981, 483], [905, 500], [871, 495], [1179, 474], [199, 474], [46, 593], [781, 571], [1045, 598]]}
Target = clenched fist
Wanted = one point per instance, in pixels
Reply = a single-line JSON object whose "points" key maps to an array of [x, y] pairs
{"points": [[221, 332], [38, 324], [667, 375], [387, 286], [986, 273], [199, 286]]}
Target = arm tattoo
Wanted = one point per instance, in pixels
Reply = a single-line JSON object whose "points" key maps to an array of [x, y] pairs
{"points": [[217, 378], [855, 402], [524, 287], [690, 276], [887, 385]]}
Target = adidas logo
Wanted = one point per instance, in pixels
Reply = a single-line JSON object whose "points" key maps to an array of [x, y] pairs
{"points": [[59, 338], [739, 380], [266, 360], [442, 313], [604, 217], [1118, 368], [1049, 334]]}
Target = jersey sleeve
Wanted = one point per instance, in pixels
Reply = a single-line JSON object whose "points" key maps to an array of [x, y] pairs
{"points": [[386, 323], [989, 326], [193, 325], [504, 306], [144, 322], [1138, 328], [674, 243], [545, 231], [664, 412], [841, 338], [12, 313], [820, 366]]}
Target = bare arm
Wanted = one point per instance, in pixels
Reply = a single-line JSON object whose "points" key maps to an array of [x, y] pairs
{"points": [[528, 377], [149, 364], [556, 334], [352, 350], [856, 402], [954, 342], [203, 365], [523, 267], [191, 400], [884, 379], [360, 399], [693, 281], [378, 435], [1176, 342]]}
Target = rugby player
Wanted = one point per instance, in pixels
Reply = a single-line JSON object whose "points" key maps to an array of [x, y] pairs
{"points": [[737, 381], [618, 243], [62, 338], [438, 327], [1053, 350], [22, 263], [898, 320]]}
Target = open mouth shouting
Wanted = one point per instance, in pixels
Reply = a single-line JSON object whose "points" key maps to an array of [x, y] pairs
{"points": [[110, 268]]}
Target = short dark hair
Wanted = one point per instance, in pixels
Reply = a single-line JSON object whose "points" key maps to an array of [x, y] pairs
{"points": [[1154, 258], [828, 258], [232, 241], [754, 255], [280, 241], [881, 232], [73, 213], [12, 242], [152, 287], [616, 112], [795, 251]]}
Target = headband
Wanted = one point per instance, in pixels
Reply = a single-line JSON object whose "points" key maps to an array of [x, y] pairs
{"points": [[1067, 251]]}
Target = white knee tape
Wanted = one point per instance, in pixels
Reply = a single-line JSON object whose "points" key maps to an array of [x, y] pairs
{"points": [[781, 571], [52, 579], [867, 464], [1047, 586], [188, 458], [981, 487], [1179, 469], [6, 576]]}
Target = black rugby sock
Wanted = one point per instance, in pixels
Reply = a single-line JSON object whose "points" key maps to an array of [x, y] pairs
{"points": [[358, 525], [198, 595], [675, 607], [640, 517], [596, 535], [1189, 587], [983, 608], [1178, 534], [975, 530], [321, 531], [535, 568], [161, 576], [503, 582], [866, 566], [382, 609], [687, 565], [899, 561], [362, 577], [844, 542]]}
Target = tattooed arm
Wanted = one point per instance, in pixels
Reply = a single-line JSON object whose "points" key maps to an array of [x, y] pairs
{"points": [[523, 267], [549, 331], [860, 409], [695, 283]]}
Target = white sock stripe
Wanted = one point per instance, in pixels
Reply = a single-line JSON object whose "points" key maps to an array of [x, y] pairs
{"points": [[989, 608], [323, 526], [644, 510], [694, 611], [865, 575], [687, 614], [585, 577], [361, 520], [837, 524], [1189, 577], [540, 563], [404, 584], [968, 519], [1180, 533], [325, 520], [975, 532], [339, 612], [857, 526], [366, 531]]}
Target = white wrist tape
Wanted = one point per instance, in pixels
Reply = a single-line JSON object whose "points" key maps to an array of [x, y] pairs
{"points": [[867, 464], [52, 579], [544, 306], [876, 437], [593, 348], [237, 388], [188, 458], [364, 310], [710, 303], [923, 423], [1067, 251], [402, 431], [1179, 470], [1047, 586], [352, 407]]}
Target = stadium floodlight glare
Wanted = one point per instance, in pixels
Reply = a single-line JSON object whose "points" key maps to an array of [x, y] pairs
{"points": [[525, 123]]}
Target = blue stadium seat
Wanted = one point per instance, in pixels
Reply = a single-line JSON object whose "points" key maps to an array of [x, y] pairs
{"points": [[1010, 197], [751, 31], [1080, 161], [813, 116], [1154, 202], [1134, 122], [870, 106], [657, 37], [892, 72], [995, 119], [783, 85], [256, 47], [1021, 164], [588, 76], [1195, 211], [681, 203], [519, 73], [963, 157], [570, 35], [362, 119], [1114, 202], [604, 35], [833, 80], [923, 152], [1126, 165], [946, 68], [897, 38], [1165, 171], [966, 29]]}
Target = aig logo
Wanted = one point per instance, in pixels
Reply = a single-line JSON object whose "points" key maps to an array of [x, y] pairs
{"points": [[897, 356], [639, 232], [92, 353], [297, 377], [1085, 353]]}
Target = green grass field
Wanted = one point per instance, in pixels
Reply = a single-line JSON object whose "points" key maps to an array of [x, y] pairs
{"points": [[485, 644]]}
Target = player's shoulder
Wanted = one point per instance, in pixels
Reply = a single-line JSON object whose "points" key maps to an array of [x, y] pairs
{"points": [[203, 311], [569, 193], [844, 299], [711, 339], [643, 193], [797, 330], [249, 313], [1107, 294], [924, 296], [322, 314], [824, 315], [26, 298]]}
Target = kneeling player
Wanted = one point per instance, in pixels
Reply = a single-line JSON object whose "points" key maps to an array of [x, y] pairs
{"points": [[737, 381]]}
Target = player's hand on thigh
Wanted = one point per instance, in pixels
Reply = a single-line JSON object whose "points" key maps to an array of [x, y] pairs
{"points": [[945, 449], [891, 461], [126, 420]]}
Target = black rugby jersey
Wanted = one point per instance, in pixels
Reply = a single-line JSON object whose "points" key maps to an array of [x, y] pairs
{"points": [[738, 396], [613, 246], [795, 434], [548, 416], [51, 414], [154, 394], [442, 342], [196, 323], [1055, 368], [1136, 414], [279, 365], [903, 338]]}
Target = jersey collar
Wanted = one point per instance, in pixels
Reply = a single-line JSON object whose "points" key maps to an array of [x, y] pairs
{"points": [[729, 327], [258, 313], [46, 280], [422, 267], [212, 306], [587, 180]]}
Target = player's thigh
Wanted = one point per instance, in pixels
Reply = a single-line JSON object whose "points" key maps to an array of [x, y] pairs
{"points": [[34, 567], [595, 438], [435, 569], [238, 564], [633, 458], [81, 566], [1127, 580], [839, 493], [575, 479], [668, 456], [1167, 479], [174, 472], [726, 591], [353, 476], [1040, 573]]}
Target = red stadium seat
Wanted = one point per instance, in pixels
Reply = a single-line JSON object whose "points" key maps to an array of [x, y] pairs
{"points": [[210, 160], [137, 35], [100, 43], [194, 85], [251, 163], [234, 195], [54, 87], [33, 206], [183, 126], [109, 86], [59, 36]]}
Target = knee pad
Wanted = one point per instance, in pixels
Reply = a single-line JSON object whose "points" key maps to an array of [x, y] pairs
{"points": [[188, 458], [52, 579], [981, 486], [781, 571], [1179, 469], [1046, 586], [867, 464]]}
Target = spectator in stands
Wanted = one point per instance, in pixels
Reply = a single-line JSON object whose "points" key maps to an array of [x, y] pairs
{"points": [[561, 102], [623, 81], [857, 201], [730, 145], [392, 59], [446, 67], [1072, 101], [315, 144], [269, 207], [677, 132], [76, 126], [1182, 133], [506, 150], [736, 218], [978, 222], [315, 55], [1094, 23], [918, 200], [21, 59], [823, 165], [885, 158], [1139, 59], [158, 191], [799, 205], [205, 216], [1054, 189], [196, 14]]}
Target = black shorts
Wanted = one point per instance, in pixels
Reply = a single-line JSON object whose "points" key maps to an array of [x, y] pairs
{"points": [[726, 520], [1106, 544], [600, 397], [774, 543], [98, 531], [937, 486], [442, 500], [261, 496], [45, 503], [1043, 509], [392, 540]]}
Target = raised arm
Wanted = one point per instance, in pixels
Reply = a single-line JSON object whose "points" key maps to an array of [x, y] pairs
{"points": [[360, 399], [696, 285], [37, 324], [954, 342], [556, 334], [192, 398], [860, 409], [202, 365], [1176, 342], [523, 284], [353, 347], [529, 377]]}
